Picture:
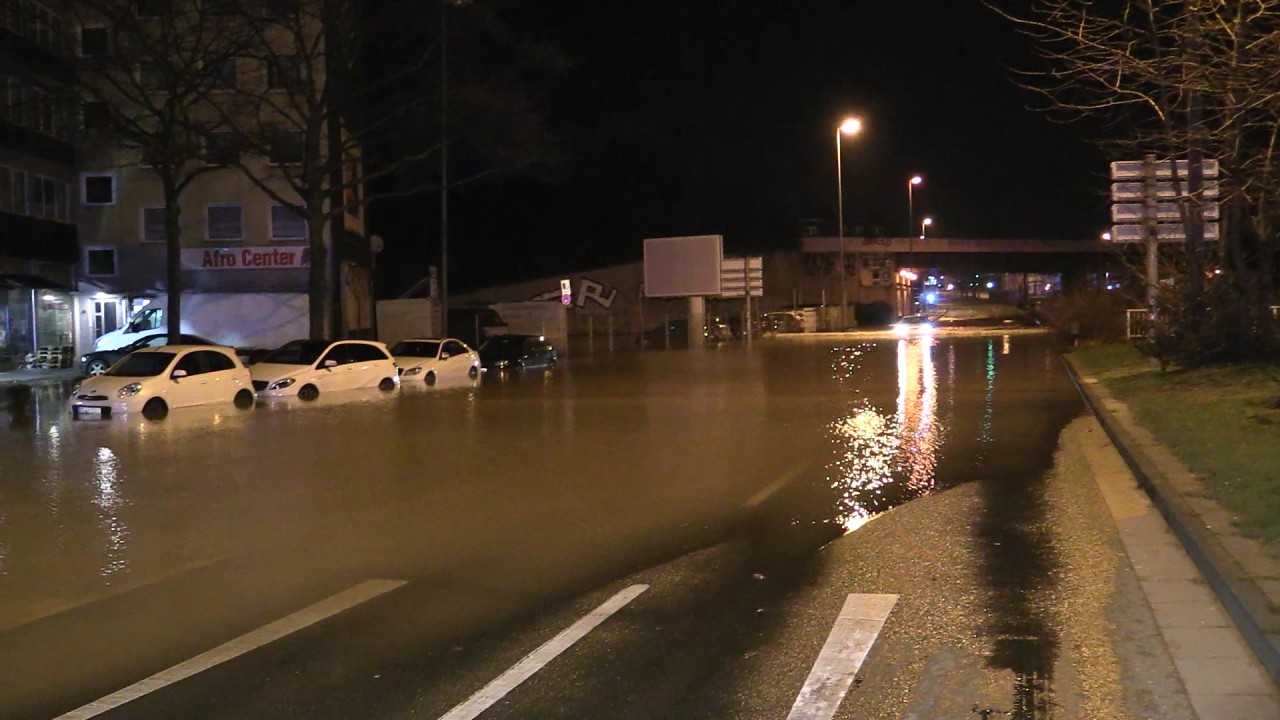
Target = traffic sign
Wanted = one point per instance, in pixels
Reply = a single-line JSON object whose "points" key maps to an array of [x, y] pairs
{"points": [[566, 292], [1135, 169], [1136, 212], [1165, 232], [1122, 191], [738, 275]]}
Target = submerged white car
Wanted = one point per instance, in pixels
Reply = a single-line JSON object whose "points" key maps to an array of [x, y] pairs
{"points": [[306, 368], [432, 360], [153, 380]]}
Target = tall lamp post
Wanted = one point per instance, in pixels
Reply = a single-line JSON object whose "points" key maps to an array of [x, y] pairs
{"points": [[925, 223], [850, 126], [911, 213]]}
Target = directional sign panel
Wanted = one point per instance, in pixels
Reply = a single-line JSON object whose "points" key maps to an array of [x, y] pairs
{"points": [[1133, 169], [1135, 212], [1166, 232], [1122, 191], [740, 275]]}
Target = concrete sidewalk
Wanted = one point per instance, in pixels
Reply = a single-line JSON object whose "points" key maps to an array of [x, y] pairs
{"points": [[1244, 577], [39, 377]]}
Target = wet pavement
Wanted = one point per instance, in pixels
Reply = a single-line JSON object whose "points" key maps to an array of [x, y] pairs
{"points": [[504, 505]]}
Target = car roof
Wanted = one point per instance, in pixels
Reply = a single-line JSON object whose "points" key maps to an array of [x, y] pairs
{"points": [[425, 339], [184, 348]]}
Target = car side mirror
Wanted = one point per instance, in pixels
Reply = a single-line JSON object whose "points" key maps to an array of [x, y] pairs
{"points": [[330, 363], [178, 374]]}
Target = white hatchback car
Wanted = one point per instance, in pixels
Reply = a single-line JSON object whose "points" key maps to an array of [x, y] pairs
{"points": [[305, 368], [435, 360], [153, 380]]}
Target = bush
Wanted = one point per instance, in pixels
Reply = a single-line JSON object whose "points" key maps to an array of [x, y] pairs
{"points": [[1091, 316], [1214, 324]]}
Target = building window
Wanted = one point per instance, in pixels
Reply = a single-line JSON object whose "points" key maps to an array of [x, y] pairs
{"points": [[99, 262], [98, 188], [224, 223], [280, 8], [221, 8], [150, 8], [151, 77], [18, 191], [222, 147], [286, 148], [96, 116], [42, 197], [285, 73], [6, 190], [287, 223], [153, 225], [222, 73], [95, 41]]}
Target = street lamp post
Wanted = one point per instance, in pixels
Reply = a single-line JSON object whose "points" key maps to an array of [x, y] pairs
{"points": [[444, 170], [911, 213], [926, 222], [850, 126]]}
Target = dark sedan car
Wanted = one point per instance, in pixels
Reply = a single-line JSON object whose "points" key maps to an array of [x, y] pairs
{"points": [[98, 362], [502, 352]]}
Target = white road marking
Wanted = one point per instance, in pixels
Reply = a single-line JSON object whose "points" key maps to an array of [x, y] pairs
{"points": [[311, 615], [851, 638], [534, 661]]}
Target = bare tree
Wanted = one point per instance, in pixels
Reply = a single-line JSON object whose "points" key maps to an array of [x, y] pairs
{"points": [[1192, 78], [337, 113], [147, 71]]}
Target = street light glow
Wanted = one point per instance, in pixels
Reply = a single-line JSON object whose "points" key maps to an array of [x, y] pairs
{"points": [[851, 126], [928, 221], [916, 179]]}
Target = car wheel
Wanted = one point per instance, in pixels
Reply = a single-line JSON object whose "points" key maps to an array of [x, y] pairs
{"points": [[155, 409], [474, 372], [96, 367], [387, 385], [430, 378], [309, 392], [244, 399]]}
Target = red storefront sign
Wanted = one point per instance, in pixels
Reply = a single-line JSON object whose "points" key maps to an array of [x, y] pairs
{"points": [[247, 258]]}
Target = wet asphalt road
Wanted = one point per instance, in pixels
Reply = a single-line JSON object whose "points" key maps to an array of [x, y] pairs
{"points": [[512, 507]]}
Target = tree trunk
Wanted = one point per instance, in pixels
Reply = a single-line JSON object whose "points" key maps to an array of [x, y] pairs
{"points": [[173, 258], [318, 277]]}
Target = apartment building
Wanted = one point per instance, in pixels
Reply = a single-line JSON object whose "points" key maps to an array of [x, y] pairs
{"points": [[38, 246]]}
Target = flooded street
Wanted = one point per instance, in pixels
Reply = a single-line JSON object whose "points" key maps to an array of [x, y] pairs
{"points": [[496, 498]]}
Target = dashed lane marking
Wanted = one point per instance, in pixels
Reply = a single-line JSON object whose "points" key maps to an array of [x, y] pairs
{"points": [[311, 615], [534, 661], [851, 638]]}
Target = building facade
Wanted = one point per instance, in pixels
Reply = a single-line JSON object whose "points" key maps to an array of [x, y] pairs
{"points": [[38, 239]]}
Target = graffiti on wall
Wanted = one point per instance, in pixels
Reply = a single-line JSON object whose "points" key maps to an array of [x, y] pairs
{"points": [[586, 290]]}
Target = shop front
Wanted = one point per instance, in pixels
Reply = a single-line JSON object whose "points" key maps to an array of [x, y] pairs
{"points": [[37, 323]]}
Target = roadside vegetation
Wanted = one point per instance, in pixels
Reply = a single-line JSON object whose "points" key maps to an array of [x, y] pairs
{"points": [[1223, 421]]}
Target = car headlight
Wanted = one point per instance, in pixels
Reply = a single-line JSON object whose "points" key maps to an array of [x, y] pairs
{"points": [[413, 371], [129, 390], [281, 384], [84, 358], [502, 363], [75, 388]]}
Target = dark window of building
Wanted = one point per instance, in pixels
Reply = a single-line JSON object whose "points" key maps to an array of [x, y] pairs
{"points": [[150, 8], [221, 8], [280, 8], [151, 77], [96, 115], [224, 223], [100, 261], [284, 72], [95, 41], [99, 189], [286, 148], [153, 225], [287, 223], [222, 72], [221, 148]]}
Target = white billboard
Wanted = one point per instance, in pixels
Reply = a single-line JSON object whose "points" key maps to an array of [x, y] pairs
{"points": [[683, 266]]}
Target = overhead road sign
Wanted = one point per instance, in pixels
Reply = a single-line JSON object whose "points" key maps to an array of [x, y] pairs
{"points": [[1137, 212], [683, 266], [1165, 232], [1134, 169], [1122, 191]]}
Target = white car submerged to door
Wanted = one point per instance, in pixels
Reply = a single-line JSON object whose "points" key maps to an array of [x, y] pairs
{"points": [[307, 368], [431, 360], [153, 380]]}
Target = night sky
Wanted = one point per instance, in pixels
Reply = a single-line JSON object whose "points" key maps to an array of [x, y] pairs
{"points": [[683, 117]]}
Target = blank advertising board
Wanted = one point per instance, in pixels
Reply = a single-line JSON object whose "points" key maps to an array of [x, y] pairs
{"points": [[683, 266]]}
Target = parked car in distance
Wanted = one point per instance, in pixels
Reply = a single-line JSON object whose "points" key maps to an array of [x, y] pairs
{"points": [[432, 360], [503, 352], [153, 380], [305, 368], [99, 361]]}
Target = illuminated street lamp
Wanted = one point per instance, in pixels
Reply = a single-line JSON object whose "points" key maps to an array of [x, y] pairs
{"points": [[850, 126], [911, 186], [926, 222]]}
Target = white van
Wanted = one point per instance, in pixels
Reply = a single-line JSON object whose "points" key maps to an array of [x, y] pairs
{"points": [[242, 320]]}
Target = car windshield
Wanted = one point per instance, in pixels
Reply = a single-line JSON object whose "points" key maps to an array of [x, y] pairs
{"points": [[416, 348], [143, 364], [298, 352], [502, 343]]}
